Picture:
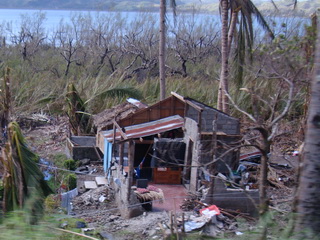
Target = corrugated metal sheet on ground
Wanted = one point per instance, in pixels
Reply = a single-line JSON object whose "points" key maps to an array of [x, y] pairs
{"points": [[148, 129], [67, 197]]}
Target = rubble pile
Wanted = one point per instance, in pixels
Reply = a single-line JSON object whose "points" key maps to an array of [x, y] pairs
{"points": [[209, 222], [99, 198], [190, 203], [46, 139], [279, 176]]}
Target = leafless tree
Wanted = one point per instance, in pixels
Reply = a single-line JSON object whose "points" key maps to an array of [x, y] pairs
{"points": [[192, 40], [140, 43]]}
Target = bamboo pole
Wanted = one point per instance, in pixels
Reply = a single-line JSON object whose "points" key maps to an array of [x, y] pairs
{"points": [[75, 233]]}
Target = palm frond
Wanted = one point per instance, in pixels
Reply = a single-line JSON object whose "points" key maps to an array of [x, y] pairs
{"points": [[80, 123], [23, 178], [173, 5], [261, 20]]}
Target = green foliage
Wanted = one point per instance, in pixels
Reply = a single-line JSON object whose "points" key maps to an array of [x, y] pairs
{"points": [[79, 120], [63, 177], [70, 164], [23, 182], [17, 227], [126, 66], [70, 181], [59, 159], [1, 190], [52, 203]]}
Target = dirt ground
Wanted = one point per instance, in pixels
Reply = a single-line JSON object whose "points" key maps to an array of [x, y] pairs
{"points": [[48, 139]]}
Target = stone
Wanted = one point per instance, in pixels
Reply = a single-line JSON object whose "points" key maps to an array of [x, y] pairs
{"points": [[106, 235], [101, 181], [90, 185], [80, 224], [85, 161]]}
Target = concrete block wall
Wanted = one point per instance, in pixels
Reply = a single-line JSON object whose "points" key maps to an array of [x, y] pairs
{"points": [[119, 182], [206, 148], [245, 201], [81, 147], [228, 125], [225, 123]]}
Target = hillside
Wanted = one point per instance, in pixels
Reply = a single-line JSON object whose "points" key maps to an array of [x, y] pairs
{"points": [[304, 7]]}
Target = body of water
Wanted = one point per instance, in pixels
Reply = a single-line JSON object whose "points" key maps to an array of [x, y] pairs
{"points": [[16, 17], [11, 20]]}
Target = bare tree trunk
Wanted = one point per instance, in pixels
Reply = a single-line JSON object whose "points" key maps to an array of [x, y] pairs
{"points": [[263, 183], [162, 43], [234, 19], [6, 117], [265, 149], [308, 197], [222, 103]]}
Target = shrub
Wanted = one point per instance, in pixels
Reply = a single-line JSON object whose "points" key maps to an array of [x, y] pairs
{"points": [[52, 203], [70, 164], [71, 181], [1, 190]]}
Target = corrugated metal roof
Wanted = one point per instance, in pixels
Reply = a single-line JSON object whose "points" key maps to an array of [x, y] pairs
{"points": [[148, 129], [137, 103]]}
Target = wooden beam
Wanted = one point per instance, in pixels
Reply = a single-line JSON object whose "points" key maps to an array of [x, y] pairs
{"points": [[120, 130], [199, 121], [178, 96], [172, 106], [195, 106], [144, 141]]}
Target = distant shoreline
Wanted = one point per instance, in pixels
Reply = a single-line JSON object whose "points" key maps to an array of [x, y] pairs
{"points": [[153, 10], [115, 11]]}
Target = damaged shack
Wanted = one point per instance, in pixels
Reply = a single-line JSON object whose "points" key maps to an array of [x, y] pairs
{"points": [[171, 142]]}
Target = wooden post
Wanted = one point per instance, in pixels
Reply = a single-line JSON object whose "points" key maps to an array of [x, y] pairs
{"points": [[183, 229], [114, 134], [171, 223], [121, 152], [130, 171]]}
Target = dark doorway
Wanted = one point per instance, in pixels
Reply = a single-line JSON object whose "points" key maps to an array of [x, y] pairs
{"points": [[187, 171], [142, 160]]}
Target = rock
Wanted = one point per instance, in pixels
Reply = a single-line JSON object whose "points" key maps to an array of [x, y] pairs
{"points": [[83, 162], [101, 181], [233, 226], [112, 218], [106, 235], [221, 218], [83, 170], [211, 230], [219, 224], [152, 232], [80, 224], [64, 224], [90, 185]]}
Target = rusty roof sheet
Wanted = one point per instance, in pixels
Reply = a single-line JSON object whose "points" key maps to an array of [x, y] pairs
{"points": [[147, 129]]}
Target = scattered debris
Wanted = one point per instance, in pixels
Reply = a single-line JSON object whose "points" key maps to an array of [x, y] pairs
{"points": [[99, 211], [91, 199]]}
